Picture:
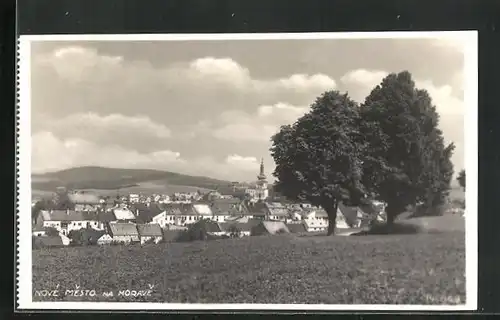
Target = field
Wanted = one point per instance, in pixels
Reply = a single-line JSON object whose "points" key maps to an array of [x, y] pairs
{"points": [[402, 269]]}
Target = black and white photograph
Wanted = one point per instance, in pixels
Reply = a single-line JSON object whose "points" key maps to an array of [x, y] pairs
{"points": [[308, 171]]}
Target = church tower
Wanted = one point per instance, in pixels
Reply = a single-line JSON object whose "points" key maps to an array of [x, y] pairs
{"points": [[262, 191]]}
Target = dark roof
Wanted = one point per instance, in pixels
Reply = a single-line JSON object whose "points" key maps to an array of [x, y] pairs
{"points": [[212, 227], [258, 209], [68, 215], [227, 206], [106, 216], [149, 230], [277, 209], [145, 213], [296, 227], [91, 234], [48, 241], [123, 229]]}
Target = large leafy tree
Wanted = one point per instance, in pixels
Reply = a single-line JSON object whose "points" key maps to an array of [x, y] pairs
{"points": [[461, 178], [407, 161], [319, 157]]}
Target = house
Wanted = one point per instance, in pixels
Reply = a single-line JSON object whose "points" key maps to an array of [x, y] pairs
{"points": [[133, 198], [316, 219], [213, 228], [66, 220], [269, 228], [224, 209], [169, 216], [38, 231], [244, 229], [86, 207], [47, 241], [124, 232], [201, 211], [353, 215], [65, 240], [146, 212], [149, 232], [124, 214], [105, 239], [257, 210], [276, 211], [91, 236]]}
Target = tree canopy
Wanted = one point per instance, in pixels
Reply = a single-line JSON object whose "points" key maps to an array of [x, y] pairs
{"points": [[461, 178], [319, 157], [390, 148], [406, 161]]}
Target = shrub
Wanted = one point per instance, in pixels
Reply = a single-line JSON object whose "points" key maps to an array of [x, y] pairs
{"points": [[379, 228], [234, 232], [281, 231]]}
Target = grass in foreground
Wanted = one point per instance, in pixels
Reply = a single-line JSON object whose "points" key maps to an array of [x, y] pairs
{"points": [[398, 269]]}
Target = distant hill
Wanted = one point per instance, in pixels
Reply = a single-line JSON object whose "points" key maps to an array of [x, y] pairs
{"points": [[115, 178]]}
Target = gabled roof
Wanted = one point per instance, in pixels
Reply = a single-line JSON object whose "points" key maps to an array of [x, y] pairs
{"points": [[38, 228], [277, 209], [149, 230], [68, 215], [106, 216], [123, 214], [202, 209], [258, 209], [123, 229], [145, 213], [212, 227], [227, 206], [350, 213], [48, 241]]}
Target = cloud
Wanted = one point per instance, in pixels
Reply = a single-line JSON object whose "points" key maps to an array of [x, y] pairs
{"points": [[259, 126], [367, 79], [449, 106], [50, 152], [243, 163], [125, 131], [79, 64]]}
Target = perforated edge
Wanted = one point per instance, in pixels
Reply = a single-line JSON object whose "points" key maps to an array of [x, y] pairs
{"points": [[17, 181]]}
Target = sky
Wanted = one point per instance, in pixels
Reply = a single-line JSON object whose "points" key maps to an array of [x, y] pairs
{"points": [[210, 107]]}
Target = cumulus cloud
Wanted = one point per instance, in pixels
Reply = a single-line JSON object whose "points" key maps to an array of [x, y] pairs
{"points": [[78, 63], [117, 129], [450, 107], [121, 102], [243, 163], [50, 152], [258, 126]]}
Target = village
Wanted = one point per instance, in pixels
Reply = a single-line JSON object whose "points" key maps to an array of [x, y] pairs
{"points": [[139, 218]]}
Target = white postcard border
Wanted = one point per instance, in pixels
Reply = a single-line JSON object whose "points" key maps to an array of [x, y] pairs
{"points": [[24, 275]]}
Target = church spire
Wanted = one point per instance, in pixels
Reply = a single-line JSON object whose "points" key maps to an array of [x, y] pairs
{"points": [[262, 175]]}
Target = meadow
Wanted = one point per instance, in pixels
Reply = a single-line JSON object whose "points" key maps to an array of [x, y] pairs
{"points": [[427, 268]]}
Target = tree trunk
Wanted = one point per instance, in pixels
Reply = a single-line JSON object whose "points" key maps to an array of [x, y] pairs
{"points": [[391, 211], [331, 210]]}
